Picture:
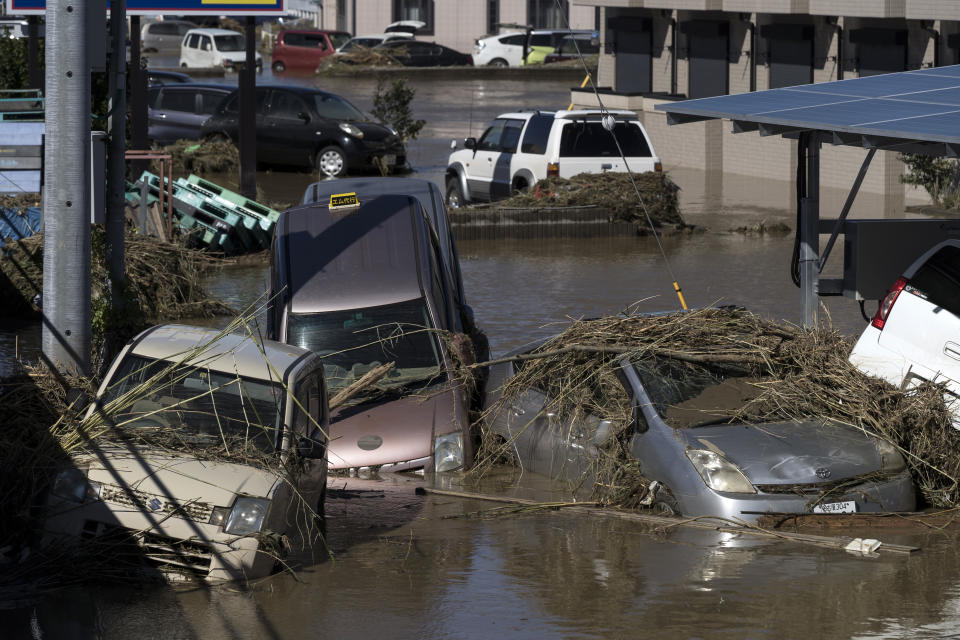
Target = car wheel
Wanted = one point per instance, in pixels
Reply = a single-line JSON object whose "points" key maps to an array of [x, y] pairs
{"points": [[498, 62], [665, 504], [331, 162], [454, 193], [183, 65], [279, 67], [519, 186], [259, 67]]}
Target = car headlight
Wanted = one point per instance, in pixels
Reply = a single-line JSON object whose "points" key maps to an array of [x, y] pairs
{"points": [[351, 130], [718, 473], [73, 485], [448, 452], [246, 516], [891, 461], [391, 130]]}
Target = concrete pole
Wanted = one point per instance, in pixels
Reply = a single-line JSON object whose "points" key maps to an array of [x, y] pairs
{"points": [[116, 175], [248, 117], [810, 231], [66, 201]]}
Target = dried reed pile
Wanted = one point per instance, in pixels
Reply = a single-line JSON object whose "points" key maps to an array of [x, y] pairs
{"points": [[611, 191], [202, 157], [163, 277], [19, 201], [361, 57], [805, 372]]}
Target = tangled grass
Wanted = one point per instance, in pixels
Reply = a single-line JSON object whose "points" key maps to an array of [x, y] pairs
{"points": [[611, 191], [802, 374]]}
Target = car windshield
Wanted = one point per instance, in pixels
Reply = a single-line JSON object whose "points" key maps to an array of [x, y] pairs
{"points": [[194, 405], [687, 394], [230, 43], [336, 108], [355, 341], [338, 39]]}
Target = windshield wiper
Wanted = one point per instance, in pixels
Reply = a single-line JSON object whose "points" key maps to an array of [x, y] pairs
{"points": [[707, 423]]}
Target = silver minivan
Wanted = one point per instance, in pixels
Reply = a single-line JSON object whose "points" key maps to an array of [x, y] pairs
{"points": [[362, 286], [164, 35]]}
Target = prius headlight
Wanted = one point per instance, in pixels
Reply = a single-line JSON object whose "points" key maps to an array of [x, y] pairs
{"points": [[718, 473], [351, 130], [890, 459], [73, 485], [448, 452], [246, 516]]}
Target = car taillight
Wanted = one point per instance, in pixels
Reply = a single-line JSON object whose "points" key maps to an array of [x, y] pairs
{"points": [[658, 167], [883, 311], [553, 170]]}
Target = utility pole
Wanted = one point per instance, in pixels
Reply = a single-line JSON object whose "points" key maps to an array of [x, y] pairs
{"points": [[248, 116], [66, 199], [116, 175]]}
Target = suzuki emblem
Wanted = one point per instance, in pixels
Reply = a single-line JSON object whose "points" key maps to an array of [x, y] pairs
{"points": [[823, 473]]}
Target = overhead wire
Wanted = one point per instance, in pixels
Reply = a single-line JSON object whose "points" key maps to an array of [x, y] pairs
{"points": [[608, 119]]}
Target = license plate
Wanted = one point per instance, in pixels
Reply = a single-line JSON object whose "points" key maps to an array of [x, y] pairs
{"points": [[848, 506], [390, 158]]}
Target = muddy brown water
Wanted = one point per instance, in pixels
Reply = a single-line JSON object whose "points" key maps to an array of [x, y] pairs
{"points": [[403, 565]]}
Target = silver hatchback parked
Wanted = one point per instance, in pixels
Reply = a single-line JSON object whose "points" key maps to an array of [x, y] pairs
{"points": [[680, 438]]}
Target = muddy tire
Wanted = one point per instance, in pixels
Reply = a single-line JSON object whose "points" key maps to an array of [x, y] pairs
{"points": [[498, 62], [454, 197], [519, 186], [331, 161], [279, 67], [665, 504]]}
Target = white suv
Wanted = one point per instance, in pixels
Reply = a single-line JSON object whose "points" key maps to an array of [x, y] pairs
{"points": [[519, 149], [915, 335]]}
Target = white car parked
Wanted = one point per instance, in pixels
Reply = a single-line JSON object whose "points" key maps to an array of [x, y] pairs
{"points": [[519, 149], [915, 335], [215, 48], [504, 50]]}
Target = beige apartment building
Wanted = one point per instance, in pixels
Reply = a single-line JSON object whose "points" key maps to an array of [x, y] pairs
{"points": [[656, 50], [456, 23]]}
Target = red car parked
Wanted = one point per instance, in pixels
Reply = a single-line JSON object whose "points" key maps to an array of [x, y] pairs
{"points": [[303, 49]]}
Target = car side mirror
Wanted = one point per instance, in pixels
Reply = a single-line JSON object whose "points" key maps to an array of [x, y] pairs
{"points": [[470, 143], [304, 116], [311, 449]]}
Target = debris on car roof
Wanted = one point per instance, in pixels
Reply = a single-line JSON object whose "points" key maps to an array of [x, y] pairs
{"points": [[805, 375]]}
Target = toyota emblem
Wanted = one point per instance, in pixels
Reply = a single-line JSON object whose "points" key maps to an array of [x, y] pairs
{"points": [[823, 473]]}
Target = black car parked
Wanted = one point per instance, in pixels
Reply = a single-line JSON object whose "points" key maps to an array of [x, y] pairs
{"points": [[414, 53], [309, 127], [155, 77], [176, 111]]}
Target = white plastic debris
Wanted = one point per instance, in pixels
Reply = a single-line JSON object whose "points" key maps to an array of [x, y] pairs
{"points": [[863, 545]]}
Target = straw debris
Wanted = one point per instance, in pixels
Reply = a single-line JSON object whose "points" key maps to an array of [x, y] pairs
{"points": [[361, 57], [611, 191], [163, 277], [796, 374], [201, 157]]}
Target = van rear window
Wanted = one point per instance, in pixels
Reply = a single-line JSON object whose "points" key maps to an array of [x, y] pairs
{"points": [[535, 137], [589, 140], [939, 279]]}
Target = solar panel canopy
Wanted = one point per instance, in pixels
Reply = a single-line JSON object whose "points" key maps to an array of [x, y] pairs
{"points": [[919, 109]]}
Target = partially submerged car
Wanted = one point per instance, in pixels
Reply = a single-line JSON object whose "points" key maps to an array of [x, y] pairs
{"points": [[362, 280], [914, 336], [219, 450], [681, 439]]}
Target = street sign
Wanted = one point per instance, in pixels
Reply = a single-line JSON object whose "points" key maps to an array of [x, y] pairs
{"points": [[170, 7]]}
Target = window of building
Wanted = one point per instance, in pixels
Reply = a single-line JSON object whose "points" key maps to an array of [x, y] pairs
{"points": [[421, 10], [546, 14], [493, 16]]}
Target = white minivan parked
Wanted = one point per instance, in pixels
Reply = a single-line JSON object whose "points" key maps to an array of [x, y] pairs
{"points": [[915, 335], [215, 48]]}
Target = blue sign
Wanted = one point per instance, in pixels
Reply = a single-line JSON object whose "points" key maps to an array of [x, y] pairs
{"points": [[170, 7]]}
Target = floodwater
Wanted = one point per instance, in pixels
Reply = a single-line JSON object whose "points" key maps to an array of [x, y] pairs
{"points": [[404, 565]]}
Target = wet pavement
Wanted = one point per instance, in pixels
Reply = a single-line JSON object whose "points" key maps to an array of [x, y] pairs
{"points": [[403, 565]]}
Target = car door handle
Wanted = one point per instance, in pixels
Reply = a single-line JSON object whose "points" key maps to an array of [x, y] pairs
{"points": [[952, 349]]}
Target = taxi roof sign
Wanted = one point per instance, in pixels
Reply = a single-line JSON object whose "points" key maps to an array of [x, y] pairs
{"points": [[339, 201]]}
